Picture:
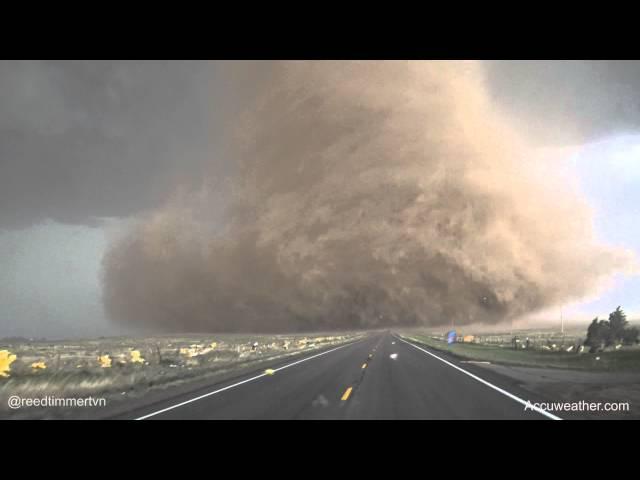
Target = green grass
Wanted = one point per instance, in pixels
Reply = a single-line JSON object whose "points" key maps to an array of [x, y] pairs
{"points": [[625, 360]]}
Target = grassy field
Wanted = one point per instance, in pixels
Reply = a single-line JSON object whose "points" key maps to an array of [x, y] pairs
{"points": [[504, 353], [130, 366]]}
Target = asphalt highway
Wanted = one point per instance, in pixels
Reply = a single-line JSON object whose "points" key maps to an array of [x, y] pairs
{"points": [[379, 377]]}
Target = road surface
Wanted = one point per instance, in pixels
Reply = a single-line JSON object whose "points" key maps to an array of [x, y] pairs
{"points": [[378, 377]]}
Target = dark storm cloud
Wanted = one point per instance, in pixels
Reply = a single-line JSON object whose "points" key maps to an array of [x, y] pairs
{"points": [[355, 194], [80, 140], [568, 101]]}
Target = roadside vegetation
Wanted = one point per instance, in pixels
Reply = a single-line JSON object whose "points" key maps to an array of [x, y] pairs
{"points": [[129, 366], [615, 332], [610, 345]]}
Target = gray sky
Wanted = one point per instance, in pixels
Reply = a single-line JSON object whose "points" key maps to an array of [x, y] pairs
{"points": [[48, 283], [80, 140], [561, 102], [85, 141]]}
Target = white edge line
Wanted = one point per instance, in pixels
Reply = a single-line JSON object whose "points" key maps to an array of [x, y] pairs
{"points": [[490, 385], [195, 399]]}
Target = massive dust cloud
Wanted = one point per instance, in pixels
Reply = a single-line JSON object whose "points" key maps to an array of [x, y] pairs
{"points": [[363, 195]]}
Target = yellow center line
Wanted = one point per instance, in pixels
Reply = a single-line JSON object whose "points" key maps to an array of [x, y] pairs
{"points": [[364, 365], [346, 394]]}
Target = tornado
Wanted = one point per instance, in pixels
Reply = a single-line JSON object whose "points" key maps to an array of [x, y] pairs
{"points": [[360, 195]]}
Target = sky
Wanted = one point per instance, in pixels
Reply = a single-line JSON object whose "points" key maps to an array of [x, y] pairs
{"points": [[609, 174], [87, 146], [49, 283]]}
